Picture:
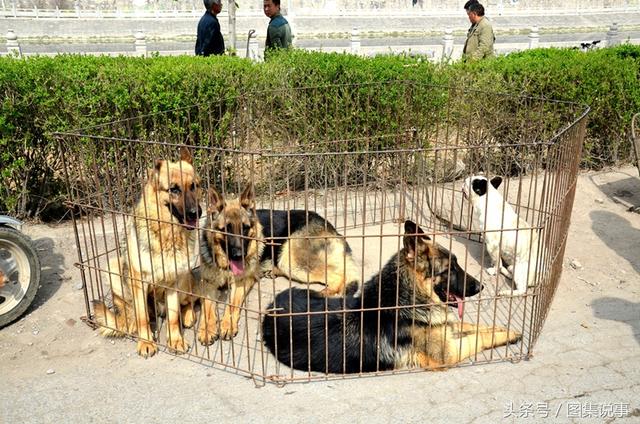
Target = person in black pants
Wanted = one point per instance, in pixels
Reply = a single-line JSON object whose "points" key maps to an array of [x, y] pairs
{"points": [[210, 40]]}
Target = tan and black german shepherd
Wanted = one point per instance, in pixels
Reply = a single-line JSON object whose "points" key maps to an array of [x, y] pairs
{"points": [[240, 242], [155, 264], [401, 319]]}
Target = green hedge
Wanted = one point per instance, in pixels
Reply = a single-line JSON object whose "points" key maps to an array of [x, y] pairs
{"points": [[608, 80], [41, 95]]}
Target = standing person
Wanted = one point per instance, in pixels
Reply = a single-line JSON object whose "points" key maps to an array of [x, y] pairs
{"points": [[210, 40], [480, 38], [279, 32]]}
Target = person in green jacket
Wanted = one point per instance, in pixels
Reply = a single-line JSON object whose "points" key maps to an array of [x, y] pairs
{"points": [[480, 38], [279, 32]]}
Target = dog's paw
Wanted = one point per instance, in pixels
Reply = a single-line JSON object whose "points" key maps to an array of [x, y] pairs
{"points": [[514, 336], [507, 272], [328, 292], [269, 274], [491, 270], [188, 317], [507, 336], [178, 345], [509, 292], [206, 336], [228, 329], [146, 348]]}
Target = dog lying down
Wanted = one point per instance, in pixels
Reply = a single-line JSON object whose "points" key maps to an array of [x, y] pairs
{"points": [[402, 319]]}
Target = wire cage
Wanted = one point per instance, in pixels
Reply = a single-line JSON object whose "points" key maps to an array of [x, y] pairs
{"points": [[366, 157]]}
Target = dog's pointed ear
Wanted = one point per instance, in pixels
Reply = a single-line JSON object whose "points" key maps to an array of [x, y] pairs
{"points": [[496, 181], [185, 155], [247, 200], [216, 201], [479, 186], [413, 238], [153, 174]]}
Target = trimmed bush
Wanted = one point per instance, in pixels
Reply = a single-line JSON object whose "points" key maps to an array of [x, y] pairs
{"points": [[608, 80]]}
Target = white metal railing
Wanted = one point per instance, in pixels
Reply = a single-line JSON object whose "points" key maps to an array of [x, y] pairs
{"points": [[98, 13], [444, 51]]}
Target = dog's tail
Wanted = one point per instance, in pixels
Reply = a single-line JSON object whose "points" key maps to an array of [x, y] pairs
{"points": [[304, 330], [119, 320]]}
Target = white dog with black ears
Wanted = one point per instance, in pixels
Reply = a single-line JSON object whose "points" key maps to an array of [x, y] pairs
{"points": [[506, 236]]}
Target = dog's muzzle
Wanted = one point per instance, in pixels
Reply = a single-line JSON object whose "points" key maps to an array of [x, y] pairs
{"points": [[192, 217]]}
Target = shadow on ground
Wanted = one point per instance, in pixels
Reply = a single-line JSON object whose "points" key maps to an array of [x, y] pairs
{"points": [[618, 234], [615, 309], [51, 271], [624, 188]]}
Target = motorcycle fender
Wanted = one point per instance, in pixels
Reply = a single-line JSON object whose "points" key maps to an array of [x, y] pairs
{"points": [[11, 222]]}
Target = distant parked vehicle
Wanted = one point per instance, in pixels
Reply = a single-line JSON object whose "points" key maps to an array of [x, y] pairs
{"points": [[19, 270]]}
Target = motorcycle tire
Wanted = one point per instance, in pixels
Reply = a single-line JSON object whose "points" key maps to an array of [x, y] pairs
{"points": [[21, 266]]}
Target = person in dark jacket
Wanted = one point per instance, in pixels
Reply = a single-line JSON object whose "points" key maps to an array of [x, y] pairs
{"points": [[210, 40], [279, 32]]}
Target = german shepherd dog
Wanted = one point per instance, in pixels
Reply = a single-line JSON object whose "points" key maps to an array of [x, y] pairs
{"points": [[401, 319], [155, 263], [240, 242]]}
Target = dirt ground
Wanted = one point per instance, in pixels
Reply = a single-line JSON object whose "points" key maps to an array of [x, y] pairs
{"points": [[54, 368]]}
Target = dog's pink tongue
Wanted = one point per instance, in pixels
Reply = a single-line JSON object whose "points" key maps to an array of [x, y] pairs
{"points": [[460, 304], [237, 267]]}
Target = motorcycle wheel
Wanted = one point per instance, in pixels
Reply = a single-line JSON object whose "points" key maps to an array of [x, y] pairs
{"points": [[20, 265]]}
